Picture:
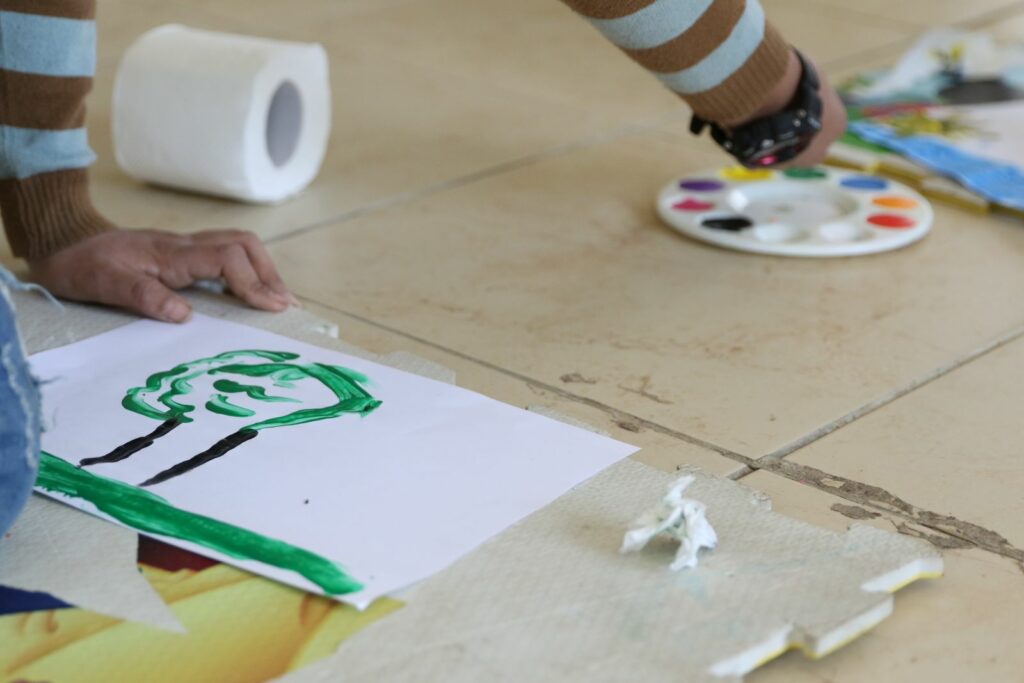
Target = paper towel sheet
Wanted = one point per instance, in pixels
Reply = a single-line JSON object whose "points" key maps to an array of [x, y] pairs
{"points": [[551, 599]]}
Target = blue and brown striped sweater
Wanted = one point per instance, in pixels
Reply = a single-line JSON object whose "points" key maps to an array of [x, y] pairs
{"points": [[47, 59]]}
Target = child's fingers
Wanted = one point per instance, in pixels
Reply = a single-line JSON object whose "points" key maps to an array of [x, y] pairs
{"points": [[231, 261], [140, 293], [258, 255]]}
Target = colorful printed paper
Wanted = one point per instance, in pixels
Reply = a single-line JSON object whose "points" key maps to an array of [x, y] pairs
{"points": [[240, 628]]}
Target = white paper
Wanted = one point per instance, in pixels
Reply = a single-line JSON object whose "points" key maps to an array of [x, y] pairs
{"points": [[236, 116], [393, 496]]}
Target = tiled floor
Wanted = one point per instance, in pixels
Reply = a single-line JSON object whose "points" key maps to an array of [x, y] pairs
{"points": [[487, 202]]}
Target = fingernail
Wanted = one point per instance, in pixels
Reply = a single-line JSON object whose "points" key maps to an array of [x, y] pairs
{"points": [[175, 311], [286, 298]]}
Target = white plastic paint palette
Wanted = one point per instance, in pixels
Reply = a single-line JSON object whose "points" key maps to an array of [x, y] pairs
{"points": [[797, 212]]}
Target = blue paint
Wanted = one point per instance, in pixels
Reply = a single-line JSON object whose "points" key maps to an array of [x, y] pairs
{"points": [[865, 182]]}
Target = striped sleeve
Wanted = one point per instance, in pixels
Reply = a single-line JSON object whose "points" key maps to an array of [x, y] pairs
{"points": [[721, 56], [47, 58]]}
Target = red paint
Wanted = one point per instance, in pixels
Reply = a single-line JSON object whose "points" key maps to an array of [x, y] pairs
{"points": [[690, 204], [891, 220]]}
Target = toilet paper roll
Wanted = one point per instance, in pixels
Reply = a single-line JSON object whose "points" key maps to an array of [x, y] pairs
{"points": [[236, 116]]}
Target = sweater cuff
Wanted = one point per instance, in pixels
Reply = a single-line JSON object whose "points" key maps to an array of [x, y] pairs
{"points": [[44, 213], [746, 90]]}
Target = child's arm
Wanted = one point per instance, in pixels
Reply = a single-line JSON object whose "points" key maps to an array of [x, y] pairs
{"points": [[47, 57], [46, 65], [722, 56]]}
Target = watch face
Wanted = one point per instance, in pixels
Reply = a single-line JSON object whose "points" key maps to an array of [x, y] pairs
{"points": [[777, 153]]}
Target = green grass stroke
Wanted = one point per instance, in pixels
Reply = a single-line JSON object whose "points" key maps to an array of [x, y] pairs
{"points": [[149, 513]]}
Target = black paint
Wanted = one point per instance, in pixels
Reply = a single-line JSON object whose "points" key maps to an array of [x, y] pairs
{"points": [[729, 223], [212, 453], [129, 449]]}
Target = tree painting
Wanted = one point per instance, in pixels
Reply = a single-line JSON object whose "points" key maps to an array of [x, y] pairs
{"points": [[171, 398]]}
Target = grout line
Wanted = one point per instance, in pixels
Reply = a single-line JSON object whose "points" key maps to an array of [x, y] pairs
{"points": [[742, 472], [871, 406], [553, 152]]}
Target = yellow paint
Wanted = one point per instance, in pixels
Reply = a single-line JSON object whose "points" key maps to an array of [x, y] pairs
{"points": [[742, 174], [923, 575], [894, 202], [241, 628]]}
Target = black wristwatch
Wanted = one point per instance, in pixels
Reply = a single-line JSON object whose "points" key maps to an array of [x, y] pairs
{"points": [[778, 137]]}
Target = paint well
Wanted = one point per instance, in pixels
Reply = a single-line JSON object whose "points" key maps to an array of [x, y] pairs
{"points": [[778, 232], [746, 175], [865, 182], [727, 223], [842, 231], [805, 173], [804, 205], [891, 220], [701, 185], [894, 202], [690, 204]]}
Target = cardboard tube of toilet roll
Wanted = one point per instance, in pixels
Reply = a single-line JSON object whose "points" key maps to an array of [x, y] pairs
{"points": [[228, 115]]}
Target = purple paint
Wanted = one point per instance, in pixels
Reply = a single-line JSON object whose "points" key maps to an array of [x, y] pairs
{"points": [[701, 185]]}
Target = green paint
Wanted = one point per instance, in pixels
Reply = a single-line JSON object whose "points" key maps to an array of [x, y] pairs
{"points": [[344, 383], [175, 383], [253, 391], [805, 173], [151, 514], [164, 395], [287, 377], [221, 405]]}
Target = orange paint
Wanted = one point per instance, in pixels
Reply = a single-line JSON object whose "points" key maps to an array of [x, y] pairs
{"points": [[894, 202]]}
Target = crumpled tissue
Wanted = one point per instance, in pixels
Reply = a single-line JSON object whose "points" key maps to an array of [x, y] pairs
{"points": [[679, 518]]}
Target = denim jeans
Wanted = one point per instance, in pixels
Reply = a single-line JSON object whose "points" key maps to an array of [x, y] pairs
{"points": [[19, 413]]}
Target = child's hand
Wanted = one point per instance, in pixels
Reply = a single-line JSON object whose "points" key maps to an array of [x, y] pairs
{"points": [[138, 269]]}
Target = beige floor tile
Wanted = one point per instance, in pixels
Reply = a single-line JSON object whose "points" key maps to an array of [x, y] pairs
{"points": [[399, 126], [562, 268], [657, 449], [537, 48], [540, 48], [1009, 29], [958, 628], [922, 13], [951, 447], [834, 32]]}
